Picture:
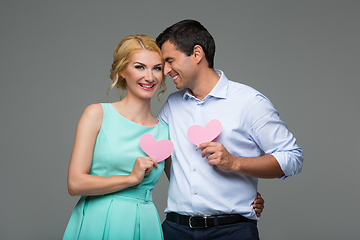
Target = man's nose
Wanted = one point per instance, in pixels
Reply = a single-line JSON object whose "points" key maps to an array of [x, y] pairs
{"points": [[167, 68]]}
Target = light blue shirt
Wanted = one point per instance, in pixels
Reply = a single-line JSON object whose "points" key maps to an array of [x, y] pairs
{"points": [[251, 127]]}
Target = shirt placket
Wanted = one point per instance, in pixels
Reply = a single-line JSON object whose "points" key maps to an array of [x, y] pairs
{"points": [[195, 165]]}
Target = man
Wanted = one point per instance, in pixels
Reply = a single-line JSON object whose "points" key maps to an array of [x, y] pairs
{"points": [[213, 185]]}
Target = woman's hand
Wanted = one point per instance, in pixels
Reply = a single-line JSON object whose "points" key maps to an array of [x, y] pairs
{"points": [[142, 166], [258, 204]]}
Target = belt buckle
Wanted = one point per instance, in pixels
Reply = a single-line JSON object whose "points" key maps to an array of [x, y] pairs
{"points": [[205, 222]]}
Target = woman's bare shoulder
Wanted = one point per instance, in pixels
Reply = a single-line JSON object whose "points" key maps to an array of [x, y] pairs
{"points": [[93, 112]]}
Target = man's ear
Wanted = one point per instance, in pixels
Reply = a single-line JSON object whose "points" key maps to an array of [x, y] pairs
{"points": [[198, 53]]}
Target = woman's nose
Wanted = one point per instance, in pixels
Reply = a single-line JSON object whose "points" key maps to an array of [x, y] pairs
{"points": [[149, 76]]}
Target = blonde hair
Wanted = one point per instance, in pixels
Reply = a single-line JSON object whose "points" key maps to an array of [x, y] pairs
{"points": [[122, 54]]}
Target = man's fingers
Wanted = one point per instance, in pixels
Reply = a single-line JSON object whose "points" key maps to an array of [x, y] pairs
{"points": [[208, 151], [213, 162], [206, 144]]}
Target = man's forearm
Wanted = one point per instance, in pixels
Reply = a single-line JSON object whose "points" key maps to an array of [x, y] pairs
{"points": [[261, 167]]}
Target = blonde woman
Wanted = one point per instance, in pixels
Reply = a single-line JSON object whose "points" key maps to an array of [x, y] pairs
{"points": [[107, 167]]}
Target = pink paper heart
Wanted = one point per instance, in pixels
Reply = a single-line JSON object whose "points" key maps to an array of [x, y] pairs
{"points": [[198, 134], [160, 150]]}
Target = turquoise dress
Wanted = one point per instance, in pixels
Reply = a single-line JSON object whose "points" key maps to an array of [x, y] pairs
{"points": [[129, 213]]}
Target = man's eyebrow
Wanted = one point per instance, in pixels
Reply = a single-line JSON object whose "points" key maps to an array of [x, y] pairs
{"points": [[168, 59]]}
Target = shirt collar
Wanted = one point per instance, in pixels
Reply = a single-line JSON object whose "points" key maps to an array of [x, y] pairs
{"points": [[219, 91]]}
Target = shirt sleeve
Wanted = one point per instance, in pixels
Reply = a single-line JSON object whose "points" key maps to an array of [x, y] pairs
{"points": [[272, 135], [163, 114]]}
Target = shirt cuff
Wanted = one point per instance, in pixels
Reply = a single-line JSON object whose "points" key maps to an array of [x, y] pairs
{"points": [[290, 162]]}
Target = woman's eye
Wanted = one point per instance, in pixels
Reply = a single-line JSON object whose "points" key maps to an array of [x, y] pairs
{"points": [[157, 68], [139, 67]]}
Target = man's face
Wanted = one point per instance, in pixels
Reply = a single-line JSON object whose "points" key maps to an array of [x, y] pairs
{"points": [[179, 66]]}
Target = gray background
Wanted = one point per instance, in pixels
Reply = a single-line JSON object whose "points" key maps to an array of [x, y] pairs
{"points": [[304, 55]]}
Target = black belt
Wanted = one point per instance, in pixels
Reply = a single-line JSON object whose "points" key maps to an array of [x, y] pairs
{"points": [[206, 221]]}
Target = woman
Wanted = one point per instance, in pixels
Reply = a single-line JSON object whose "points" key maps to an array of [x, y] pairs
{"points": [[107, 166]]}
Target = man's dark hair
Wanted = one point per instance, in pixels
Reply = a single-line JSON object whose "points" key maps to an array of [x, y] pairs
{"points": [[185, 35]]}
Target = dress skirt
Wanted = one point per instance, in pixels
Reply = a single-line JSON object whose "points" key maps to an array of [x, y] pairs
{"points": [[127, 214]]}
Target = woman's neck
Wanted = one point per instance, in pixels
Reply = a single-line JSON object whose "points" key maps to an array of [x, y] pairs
{"points": [[136, 110]]}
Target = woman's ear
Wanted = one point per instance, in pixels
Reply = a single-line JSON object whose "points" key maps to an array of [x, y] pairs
{"points": [[122, 73]]}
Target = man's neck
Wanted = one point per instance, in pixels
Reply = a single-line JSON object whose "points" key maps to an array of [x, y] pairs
{"points": [[206, 82]]}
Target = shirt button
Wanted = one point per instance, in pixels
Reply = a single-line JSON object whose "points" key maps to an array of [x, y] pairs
{"points": [[194, 169], [195, 192], [200, 104]]}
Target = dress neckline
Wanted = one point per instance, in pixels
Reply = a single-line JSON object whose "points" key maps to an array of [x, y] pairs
{"points": [[133, 121]]}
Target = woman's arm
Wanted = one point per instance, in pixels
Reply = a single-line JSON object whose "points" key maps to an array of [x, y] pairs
{"points": [[80, 182]]}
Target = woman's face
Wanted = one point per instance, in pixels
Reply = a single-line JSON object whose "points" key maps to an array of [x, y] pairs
{"points": [[143, 73]]}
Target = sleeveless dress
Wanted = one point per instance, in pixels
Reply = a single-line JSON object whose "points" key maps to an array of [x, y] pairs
{"points": [[128, 213]]}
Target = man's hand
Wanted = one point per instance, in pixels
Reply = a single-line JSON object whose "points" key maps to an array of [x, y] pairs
{"points": [[218, 155], [260, 167]]}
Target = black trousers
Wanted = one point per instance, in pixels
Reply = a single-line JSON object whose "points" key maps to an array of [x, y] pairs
{"points": [[241, 231]]}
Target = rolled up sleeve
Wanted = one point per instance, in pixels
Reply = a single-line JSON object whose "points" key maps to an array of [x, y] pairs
{"points": [[273, 137]]}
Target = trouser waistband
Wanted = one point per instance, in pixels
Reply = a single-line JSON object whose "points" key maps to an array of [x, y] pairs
{"points": [[206, 221]]}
